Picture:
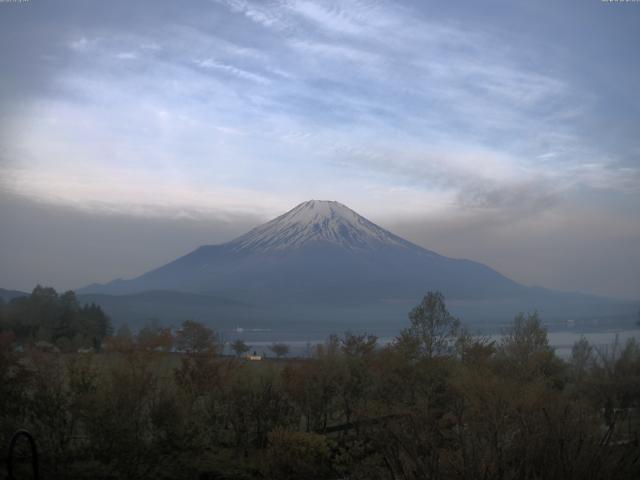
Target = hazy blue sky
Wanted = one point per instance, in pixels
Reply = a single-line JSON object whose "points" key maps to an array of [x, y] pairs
{"points": [[503, 131]]}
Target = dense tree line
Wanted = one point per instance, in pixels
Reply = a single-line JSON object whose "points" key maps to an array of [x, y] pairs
{"points": [[190, 337], [437, 403], [55, 320]]}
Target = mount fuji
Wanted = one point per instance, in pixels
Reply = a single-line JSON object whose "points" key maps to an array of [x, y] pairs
{"points": [[320, 250], [323, 257]]}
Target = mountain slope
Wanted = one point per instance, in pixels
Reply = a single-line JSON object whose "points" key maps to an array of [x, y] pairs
{"points": [[8, 295], [138, 308], [320, 251]]}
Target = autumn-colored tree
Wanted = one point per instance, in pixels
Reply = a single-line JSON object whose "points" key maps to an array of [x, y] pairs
{"points": [[474, 349], [194, 337], [362, 345], [153, 337], [314, 386], [294, 455], [122, 341]]}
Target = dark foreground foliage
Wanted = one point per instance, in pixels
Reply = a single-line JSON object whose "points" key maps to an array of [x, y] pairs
{"points": [[436, 404]]}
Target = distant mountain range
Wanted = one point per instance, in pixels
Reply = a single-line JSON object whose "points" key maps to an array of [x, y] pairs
{"points": [[322, 262], [8, 295]]}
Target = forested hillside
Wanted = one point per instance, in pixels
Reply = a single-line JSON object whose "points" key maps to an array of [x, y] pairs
{"points": [[53, 320]]}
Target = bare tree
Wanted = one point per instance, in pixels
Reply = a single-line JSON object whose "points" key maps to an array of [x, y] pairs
{"points": [[433, 329], [280, 349], [239, 346]]}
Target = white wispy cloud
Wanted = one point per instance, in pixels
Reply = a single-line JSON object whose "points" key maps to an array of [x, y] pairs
{"points": [[262, 13], [331, 16], [373, 93], [126, 55], [235, 71]]}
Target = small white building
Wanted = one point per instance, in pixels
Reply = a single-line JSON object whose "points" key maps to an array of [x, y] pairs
{"points": [[254, 357]]}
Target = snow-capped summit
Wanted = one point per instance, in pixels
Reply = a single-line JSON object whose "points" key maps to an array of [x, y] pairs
{"points": [[317, 222]]}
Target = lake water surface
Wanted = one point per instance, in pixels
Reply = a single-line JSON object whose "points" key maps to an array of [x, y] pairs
{"points": [[561, 341]]}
